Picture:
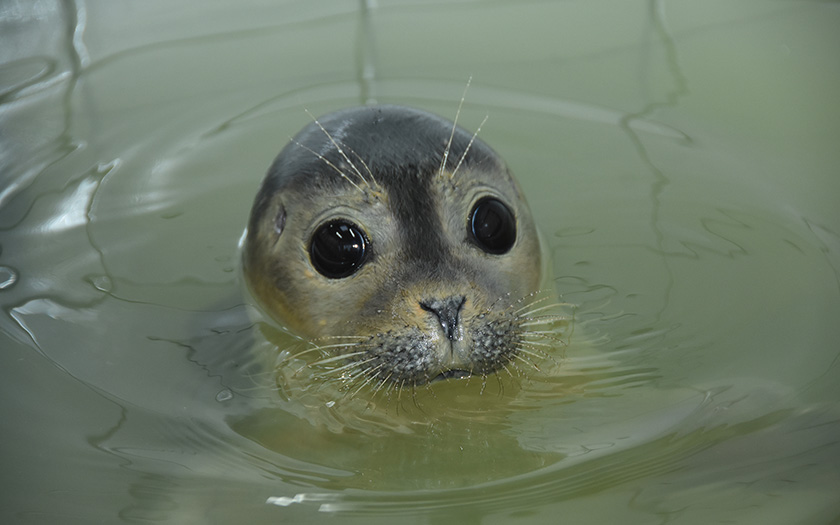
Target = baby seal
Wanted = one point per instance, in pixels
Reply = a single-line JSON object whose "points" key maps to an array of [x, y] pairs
{"points": [[400, 242]]}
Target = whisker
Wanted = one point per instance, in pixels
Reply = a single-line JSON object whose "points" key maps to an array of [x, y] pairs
{"points": [[331, 165], [544, 348], [507, 367], [543, 308], [539, 332], [290, 356], [356, 337], [303, 354], [548, 350], [338, 358], [543, 320], [499, 380], [555, 334], [299, 370], [528, 305], [469, 145], [340, 150], [531, 353], [428, 386], [382, 383], [256, 384], [496, 301], [469, 378], [349, 366], [535, 343], [372, 374], [454, 127], [252, 375], [336, 345], [364, 164], [528, 362], [399, 392]]}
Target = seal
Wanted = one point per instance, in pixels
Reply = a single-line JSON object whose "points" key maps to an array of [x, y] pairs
{"points": [[401, 245]]}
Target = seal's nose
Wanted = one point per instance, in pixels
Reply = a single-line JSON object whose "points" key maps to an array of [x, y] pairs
{"points": [[448, 313]]}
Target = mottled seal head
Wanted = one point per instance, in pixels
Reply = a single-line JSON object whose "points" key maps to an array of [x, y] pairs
{"points": [[399, 241]]}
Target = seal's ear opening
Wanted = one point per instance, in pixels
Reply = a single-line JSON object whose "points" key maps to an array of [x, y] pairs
{"points": [[338, 249], [280, 220], [492, 226]]}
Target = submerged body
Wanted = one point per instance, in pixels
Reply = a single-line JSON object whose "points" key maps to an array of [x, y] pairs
{"points": [[401, 242]]}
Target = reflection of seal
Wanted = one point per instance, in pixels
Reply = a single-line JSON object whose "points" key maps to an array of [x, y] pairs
{"points": [[400, 242]]}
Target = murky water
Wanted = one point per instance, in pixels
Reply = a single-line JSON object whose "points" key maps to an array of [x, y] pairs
{"points": [[680, 158]]}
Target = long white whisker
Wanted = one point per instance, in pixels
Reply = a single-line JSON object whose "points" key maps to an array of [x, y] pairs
{"points": [[529, 304], [354, 364], [337, 358], [340, 150], [454, 127], [545, 320], [336, 345], [483, 383], [543, 308], [535, 343], [367, 381], [331, 165], [382, 383], [469, 145], [326, 337], [539, 332], [527, 362], [364, 164], [299, 354], [538, 354]]}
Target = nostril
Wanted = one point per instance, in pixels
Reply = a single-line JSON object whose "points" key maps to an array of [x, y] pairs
{"points": [[448, 313]]}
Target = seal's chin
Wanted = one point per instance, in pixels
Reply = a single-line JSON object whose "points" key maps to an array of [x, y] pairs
{"points": [[452, 374]]}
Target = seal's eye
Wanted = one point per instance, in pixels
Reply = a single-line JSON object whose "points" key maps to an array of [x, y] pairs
{"points": [[492, 226], [337, 249]]}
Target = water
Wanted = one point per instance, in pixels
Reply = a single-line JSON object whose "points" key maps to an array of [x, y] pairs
{"points": [[680, 160]]}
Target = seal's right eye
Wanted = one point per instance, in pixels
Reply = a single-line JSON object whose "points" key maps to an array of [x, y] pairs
{"points": [[337, 249]]}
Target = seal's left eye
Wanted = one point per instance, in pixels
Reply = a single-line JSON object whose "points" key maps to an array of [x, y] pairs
{"points": [[492, 226], [337, 249]]}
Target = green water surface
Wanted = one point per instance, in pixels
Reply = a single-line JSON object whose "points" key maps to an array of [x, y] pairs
{"points": [[680, 158]]}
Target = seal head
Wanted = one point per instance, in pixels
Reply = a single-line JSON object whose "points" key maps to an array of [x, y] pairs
{"points": [[399, 241]]}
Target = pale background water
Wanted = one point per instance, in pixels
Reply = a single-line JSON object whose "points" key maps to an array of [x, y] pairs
{"points": [[681, 159]]}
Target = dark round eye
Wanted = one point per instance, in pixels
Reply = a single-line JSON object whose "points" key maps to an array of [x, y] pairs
{"points": [[492, 226], [337, 249]]}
